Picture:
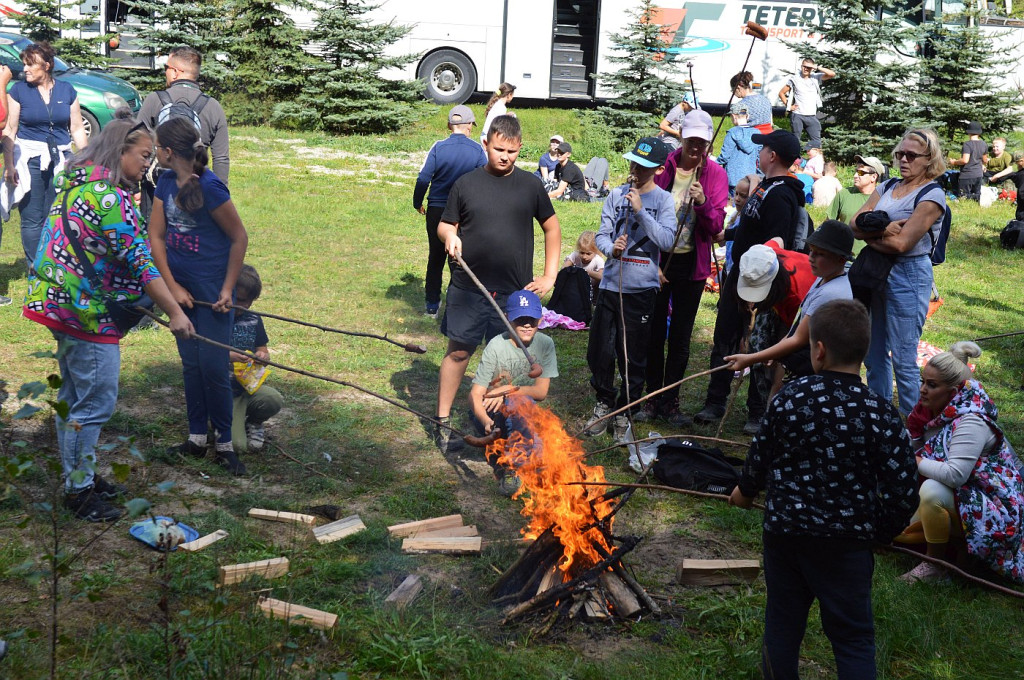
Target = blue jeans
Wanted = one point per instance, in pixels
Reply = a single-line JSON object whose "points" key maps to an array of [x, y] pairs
{"points": [[89, 372], [35, 207], [798, 570], [897, 318]]}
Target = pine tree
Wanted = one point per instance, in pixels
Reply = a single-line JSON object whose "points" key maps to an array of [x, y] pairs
{"points": [[200, 25], [869, 104], [270, 62], [957, 76], [345, 93], [644, 92], [45, 20]]}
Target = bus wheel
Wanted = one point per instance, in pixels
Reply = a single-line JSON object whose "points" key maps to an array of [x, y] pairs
{"points": [[449, 77]]}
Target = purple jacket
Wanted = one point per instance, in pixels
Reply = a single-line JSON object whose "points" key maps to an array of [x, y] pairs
{"points": [[710, 216]]}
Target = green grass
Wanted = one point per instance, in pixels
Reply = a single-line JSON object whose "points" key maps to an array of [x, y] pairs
{"points": [[336, 240]]}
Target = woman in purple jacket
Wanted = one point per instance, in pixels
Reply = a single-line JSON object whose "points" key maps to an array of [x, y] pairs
{"points": [[700, 190]]}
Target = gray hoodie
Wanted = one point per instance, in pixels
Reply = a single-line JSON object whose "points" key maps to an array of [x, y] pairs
{"points": [[650, 231]]}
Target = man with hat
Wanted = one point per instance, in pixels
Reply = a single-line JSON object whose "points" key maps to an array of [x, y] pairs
{"points": [[772, 211], [570, 185], [447, 160], [549, 161], [1015, 174], [831, 248], [869, 172], [971, 163]]}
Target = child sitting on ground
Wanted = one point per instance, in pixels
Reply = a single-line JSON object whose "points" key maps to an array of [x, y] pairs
{"points": [[588, 257], [254, 401], [503, 363], [839, 474], [826, 188]]}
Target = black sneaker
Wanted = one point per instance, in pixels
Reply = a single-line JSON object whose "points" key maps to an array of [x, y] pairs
{"points": [[752, 426], [107, 490], [676, 418], [446, 440], [89, 506], [188, 449], [710, 414], [229, 461]]}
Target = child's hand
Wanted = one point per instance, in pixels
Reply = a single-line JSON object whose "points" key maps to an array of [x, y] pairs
{"points": [[492, 404], [262, 355], [634, 199], [453, 245], [223, 303], [541, 285], [180, 326], [619, 246], [738, 362], [487, 423], [662, 279], [739, 500]]}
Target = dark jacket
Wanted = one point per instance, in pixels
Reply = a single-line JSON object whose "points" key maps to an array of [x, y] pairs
{"points": [[771, 211], [447, 160]]}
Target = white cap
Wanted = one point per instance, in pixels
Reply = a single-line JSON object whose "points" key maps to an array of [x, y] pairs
{"points": [[557, 138], [758, 268], [697, 123]]}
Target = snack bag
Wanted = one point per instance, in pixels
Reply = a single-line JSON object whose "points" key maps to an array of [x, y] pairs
{"points": [[250, 375]]}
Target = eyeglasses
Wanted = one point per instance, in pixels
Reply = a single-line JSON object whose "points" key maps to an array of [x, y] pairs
{"points": [[861, 173], [909, 155]]}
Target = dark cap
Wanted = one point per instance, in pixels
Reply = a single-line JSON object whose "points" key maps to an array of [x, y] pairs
{"points": [[565, 147], [833, 236], [974, 128], [649, 152], [784, 143]]}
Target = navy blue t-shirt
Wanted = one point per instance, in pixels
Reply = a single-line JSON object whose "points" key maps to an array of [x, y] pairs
{"points": [[248, 333], [197, 248], [36, 116]]}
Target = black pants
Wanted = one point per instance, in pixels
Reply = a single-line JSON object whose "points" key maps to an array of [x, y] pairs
{"points": [[684, 294], [730, 327], [970, 188], [436, 257], [604, 347]]}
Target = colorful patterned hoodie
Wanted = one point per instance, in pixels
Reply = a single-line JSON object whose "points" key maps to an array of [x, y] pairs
{"points": [[113, 235]]}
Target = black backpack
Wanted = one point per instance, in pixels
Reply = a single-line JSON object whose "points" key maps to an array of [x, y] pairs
{"points": [[181, 108], [571, 294], [1012, 235], [683, 465]]}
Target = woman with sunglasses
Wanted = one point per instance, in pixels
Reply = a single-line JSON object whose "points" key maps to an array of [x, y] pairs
{"points": [[915, 206], [43, 119]]}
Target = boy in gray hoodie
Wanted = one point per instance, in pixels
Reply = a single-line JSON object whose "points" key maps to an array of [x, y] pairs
{"points": [[638, 221]]}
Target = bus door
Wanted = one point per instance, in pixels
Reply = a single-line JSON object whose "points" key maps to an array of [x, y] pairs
{"points": [[574, 48]]}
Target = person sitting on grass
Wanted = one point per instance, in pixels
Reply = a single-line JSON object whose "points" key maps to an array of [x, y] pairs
{"points": [[255, 402], [838, 470], [570, 185], [1015, 174], [828, 187], [504, 363]]}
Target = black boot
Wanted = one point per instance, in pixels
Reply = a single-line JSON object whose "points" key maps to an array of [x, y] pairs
{"points": [[87, 505]]}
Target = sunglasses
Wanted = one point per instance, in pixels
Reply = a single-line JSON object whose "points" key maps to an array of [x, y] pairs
{"points": [[909, 155], [861, 173], [526, 321]]}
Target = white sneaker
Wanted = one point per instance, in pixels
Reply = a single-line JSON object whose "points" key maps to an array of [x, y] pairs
{"points": [[593, 428], [620, 427], [927, 572], [255, 435]]}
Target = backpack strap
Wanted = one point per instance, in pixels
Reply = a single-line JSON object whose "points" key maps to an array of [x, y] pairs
{"points": [[164, 96], [917, 199], [200, 103]]}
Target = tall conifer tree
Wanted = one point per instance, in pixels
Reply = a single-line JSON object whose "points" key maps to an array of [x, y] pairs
{"points": [[46, 19]]}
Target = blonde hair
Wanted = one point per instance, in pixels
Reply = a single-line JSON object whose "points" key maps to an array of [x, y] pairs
{"points": [[586, 242], [951, 365], [936, 161]]}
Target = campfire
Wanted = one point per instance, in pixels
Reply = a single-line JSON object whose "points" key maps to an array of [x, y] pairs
{"points": [[573, 566]]}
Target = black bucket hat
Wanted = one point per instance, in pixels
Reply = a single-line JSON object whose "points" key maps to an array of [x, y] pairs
{"points": [[833, 236]]}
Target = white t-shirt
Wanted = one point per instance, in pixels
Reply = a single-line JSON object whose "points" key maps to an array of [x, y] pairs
{"points": [[499, 109], [806, 93], [596, 264], [825, 190]]}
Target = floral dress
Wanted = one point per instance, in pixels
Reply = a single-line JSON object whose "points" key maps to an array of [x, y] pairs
{"points": [[991, 501]]}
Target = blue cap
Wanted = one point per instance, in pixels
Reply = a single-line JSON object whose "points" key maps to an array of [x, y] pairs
{"points": [[523, 303]]}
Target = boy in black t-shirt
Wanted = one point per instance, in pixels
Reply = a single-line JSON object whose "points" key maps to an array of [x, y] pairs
{"points": [[254, 401], [571, 186], [489, 221]]}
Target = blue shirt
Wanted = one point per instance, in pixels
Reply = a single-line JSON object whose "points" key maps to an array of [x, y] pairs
{"points": [[546, 161], [446, 161], [36, 117], [197, 248]]}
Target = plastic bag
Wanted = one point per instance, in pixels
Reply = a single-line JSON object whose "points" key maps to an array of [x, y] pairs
{"points": [[250, 375], [642, 455]]}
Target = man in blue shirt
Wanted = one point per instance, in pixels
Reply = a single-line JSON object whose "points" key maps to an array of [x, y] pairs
{"points": [[447, 160]]}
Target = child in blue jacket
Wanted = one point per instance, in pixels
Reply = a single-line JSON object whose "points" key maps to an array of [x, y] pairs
{"points": [[739, 153]]}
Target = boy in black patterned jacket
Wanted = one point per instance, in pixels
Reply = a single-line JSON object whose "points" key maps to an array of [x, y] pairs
{"points": [[839, 474]]}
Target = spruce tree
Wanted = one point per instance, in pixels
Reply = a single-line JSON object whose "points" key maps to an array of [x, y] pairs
{"points": [[869, 104], [345, 92], [642, 84], [45, 20]]}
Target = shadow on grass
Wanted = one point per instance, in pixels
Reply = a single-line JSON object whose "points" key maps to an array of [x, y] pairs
{"points": [[11, 272], [991, 303], [410, 291]]}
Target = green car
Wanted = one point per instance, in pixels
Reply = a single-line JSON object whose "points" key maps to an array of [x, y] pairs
{"points": [[99, 93]]}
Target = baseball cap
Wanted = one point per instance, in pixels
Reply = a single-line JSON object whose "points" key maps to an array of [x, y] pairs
{"points": [[565, 147], [758, 268], [557, 138], [461, 114], [872, 162], [697, 123], [833, 236], [523, 303], [649, 152], [738, 108], [781, 142]]}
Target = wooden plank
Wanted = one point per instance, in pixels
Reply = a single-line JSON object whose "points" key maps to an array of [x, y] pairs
{"points": [[624, 601], [278, 516], [717, 572], [297, 614], [412, 528], [594, 609], [272, 568], [552, 578], [339, 529], [405, 593], [203, 541], [463, 545], [451, 531]]}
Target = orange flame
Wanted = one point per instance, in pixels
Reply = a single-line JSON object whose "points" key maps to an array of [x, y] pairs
{"points": [[544, 464]]}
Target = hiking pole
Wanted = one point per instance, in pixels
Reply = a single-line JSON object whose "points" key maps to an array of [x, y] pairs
{"points": [[659, 487], [408, 347], [693, 89], [1001, 335], [535, 368], [291, 369]]}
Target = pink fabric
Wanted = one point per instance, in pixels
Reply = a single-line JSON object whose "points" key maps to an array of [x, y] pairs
{"points": [[555, 320]]}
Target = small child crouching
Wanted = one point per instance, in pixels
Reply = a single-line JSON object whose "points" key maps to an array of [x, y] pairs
{"points": [[588, 257], [254, 401]]}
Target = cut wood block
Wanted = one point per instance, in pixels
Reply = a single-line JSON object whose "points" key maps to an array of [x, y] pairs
{"points": [[624, 601], [452, 531], [338, 530], [413, 528], [297, 614], [463, 545], [272, 568], [717, 572], [203, 541], [594, 609], [552, 578], [278, 516], [405, 593]]}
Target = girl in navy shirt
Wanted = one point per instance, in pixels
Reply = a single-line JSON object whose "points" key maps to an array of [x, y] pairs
{"points": [[199, 243]]}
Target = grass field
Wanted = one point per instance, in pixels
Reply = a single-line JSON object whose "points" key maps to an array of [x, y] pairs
{"points": [[334, 235]]}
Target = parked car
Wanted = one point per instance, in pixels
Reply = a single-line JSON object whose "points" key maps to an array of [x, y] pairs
{"points": [[99, 93]]}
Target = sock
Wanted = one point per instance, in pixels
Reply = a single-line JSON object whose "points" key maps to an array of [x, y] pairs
{"points": [[225, 447], [197, 439]]}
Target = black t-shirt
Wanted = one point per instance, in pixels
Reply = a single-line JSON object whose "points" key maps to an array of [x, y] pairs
{"points": [[974, 169], [571, 174], [248, 333], [495, 218], [771, 211]]}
